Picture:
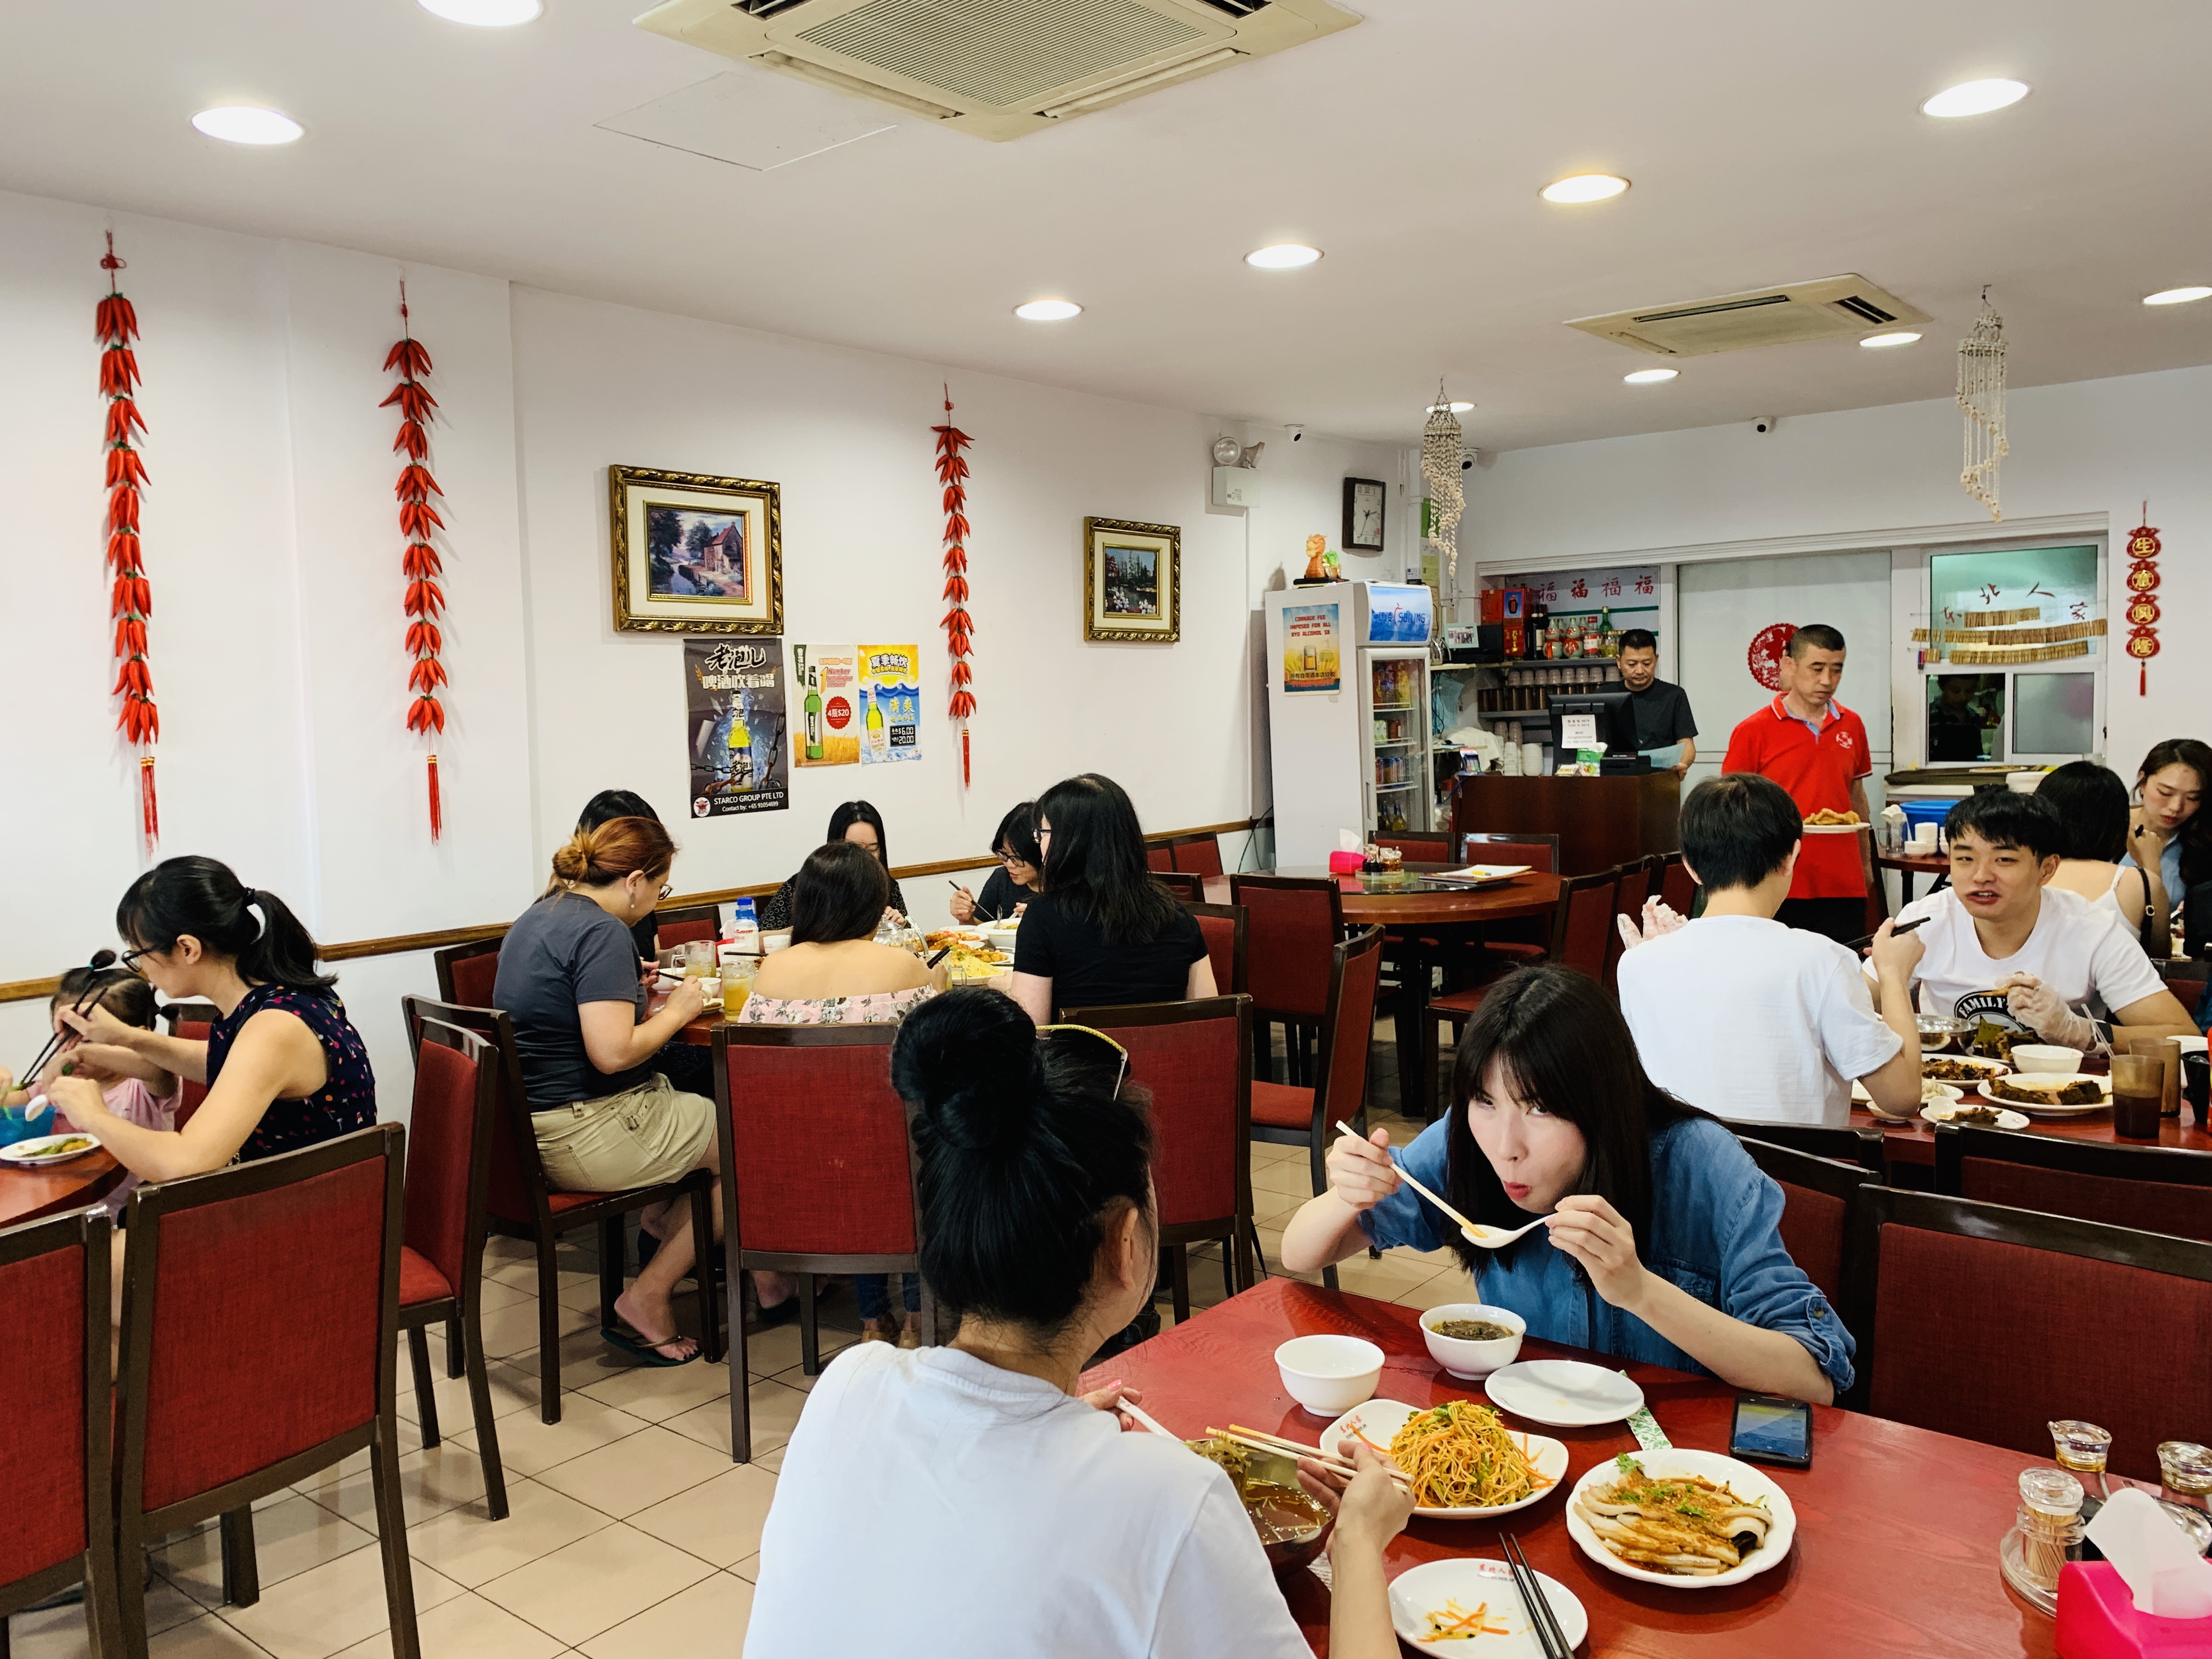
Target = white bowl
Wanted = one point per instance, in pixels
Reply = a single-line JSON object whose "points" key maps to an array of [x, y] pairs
{"points": [[1330, 1374], [1472, 1361], [1001, 938], [2045, 1057]]}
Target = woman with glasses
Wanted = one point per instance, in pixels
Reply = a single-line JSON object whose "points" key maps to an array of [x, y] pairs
{"points": [[283, 1066], [605, 1120], [1103, 933], [1017, 879], [855, 820]]}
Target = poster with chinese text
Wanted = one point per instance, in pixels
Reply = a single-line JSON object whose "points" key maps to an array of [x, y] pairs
{"points": [[825, 679], [891, 703], [1311, 653], [734, 711]]}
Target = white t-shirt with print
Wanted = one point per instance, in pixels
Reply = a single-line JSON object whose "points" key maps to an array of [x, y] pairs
{"points": [[2079, 948], [1754, 1021], [985, 1512]]}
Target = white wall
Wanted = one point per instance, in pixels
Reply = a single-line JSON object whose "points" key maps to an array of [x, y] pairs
{"points": [[1877, 477]]}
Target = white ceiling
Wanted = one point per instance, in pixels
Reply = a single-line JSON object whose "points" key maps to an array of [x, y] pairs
{"points": [[1768, 142]]}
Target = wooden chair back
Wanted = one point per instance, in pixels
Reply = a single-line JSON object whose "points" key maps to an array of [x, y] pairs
{"points": [[1224, 925], [1159, 853], [1676, 890], [1196, 855], [1422, 849], [449, 1142], [1536, 850], [1292, 924], [466, 972], [686, 924], [1628, 894], [192, 1022], [1839, 1144], [1187, 887], [1819, 1195], [1581, 925], [2158, 1190]]}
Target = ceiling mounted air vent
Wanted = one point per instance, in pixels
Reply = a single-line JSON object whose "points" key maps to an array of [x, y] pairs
{"points": [[1832, 308], [996, 68]]}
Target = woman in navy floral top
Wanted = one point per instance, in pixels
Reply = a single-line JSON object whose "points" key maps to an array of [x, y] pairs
{"points": [[283, 1064]]}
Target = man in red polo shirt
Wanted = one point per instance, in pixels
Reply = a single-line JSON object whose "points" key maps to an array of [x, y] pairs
{"points": [[1817, 749]]}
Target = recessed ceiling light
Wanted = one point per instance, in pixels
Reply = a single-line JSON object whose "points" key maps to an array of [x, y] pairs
{"points": [[2177, 296], [243, 123], [1881, 342], [1047, 310], [1282, 255], [484, 14], [1651, 376], [1583, 187], [1975, 98]]}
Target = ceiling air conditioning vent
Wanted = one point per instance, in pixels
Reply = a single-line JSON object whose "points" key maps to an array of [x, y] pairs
{"points": [[996, 68], [1832, 308]]}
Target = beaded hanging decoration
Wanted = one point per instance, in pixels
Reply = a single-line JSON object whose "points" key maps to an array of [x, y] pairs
{"points": [[2142, 605], [1982, 397], [1441, 451], [418, 520], [132, 601]]}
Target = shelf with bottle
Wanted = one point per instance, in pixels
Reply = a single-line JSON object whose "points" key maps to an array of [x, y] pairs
{"points": [[1392, 684]]}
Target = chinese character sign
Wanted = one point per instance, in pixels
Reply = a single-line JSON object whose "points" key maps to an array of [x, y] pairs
{"points": [[891, 703], [734, 716]]}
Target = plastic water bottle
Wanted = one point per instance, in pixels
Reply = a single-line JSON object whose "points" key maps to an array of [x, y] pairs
{"points": [[744, 928]]}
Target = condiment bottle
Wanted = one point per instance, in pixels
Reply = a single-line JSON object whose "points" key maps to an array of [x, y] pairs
{"points": [[2046, 1529], [2185, 1470]]}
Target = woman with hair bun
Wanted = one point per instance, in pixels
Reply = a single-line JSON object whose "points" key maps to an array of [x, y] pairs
{"points": [[283, 1066], [605, 1120], [1015, 1510]]}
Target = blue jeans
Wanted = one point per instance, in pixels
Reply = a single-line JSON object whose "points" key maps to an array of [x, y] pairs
{"points": [[869, 1291]]}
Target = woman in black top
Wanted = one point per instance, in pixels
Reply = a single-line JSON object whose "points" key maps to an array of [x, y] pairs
{"points": [[855, 820], [1103, 933], [1018, 878]]}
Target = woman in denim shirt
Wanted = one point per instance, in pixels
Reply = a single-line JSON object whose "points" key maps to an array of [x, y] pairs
{"points": [[1661, 1240]]}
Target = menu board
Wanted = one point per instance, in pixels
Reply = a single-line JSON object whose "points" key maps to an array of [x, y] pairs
{"points": [[734, 713]]}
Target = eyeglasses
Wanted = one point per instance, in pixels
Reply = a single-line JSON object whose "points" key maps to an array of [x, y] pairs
{"points": [[667, 888], [128, 962], [1091, 1030]]}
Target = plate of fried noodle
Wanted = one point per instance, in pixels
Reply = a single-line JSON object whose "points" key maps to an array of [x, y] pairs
{"points": [[1464, 1463]]}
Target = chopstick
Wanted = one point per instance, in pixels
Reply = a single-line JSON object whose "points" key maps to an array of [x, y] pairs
{"points": [[91, 995], [1260, 1440], [1405, 1178], [1902, 927], [1144, 1419], [1541, 1619]]}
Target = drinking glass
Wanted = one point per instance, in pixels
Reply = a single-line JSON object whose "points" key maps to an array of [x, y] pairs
{"points": [[2138, 1090], [737, 985], [699, 959], [2168, 1053]]}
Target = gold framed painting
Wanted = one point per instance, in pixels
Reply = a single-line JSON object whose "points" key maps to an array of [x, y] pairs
{"points": [[1131, 581], [695, 554]]}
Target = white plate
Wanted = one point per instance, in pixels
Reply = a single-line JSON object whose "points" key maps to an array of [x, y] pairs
{"points": [[2104, 1087], [26, 1151], [1949, 1093], [1747, 1482], [1380, 1421], [2006, 1118], [1564, 1393], [1836, 828], [1471, 1582]]}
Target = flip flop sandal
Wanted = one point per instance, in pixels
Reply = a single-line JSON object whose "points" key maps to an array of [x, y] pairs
{"points": [[643, 1348]]}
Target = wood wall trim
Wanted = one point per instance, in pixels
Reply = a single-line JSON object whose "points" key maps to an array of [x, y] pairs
{"points": [[26, 990]]}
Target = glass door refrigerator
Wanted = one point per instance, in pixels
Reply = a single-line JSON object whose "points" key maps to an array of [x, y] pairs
{"points": [[1348, 714]]}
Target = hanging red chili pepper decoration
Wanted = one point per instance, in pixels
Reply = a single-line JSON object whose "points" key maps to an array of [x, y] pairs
{"points": [[2142, 609], [418, 520], [131, 600], [952, 473]]}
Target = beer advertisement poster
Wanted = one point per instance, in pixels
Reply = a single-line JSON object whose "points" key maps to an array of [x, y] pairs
{"points": [[825, 687], [734, 704], [1311, 660], [891, 703]]}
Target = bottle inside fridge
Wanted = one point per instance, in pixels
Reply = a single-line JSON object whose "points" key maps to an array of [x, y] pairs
{"points": [[1399, 763]]}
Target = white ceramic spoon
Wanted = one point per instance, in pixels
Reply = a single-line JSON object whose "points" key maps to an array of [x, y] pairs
{"points": [[1490, 1238]]}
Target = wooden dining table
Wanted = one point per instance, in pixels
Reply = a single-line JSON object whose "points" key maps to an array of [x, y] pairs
{"points": [[1897, 1528], [1912, 1140], [33, 1195]]}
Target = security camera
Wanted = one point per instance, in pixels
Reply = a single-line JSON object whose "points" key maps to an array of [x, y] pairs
{"points": [[1297, 433], [1763, 424], [1467, 456]]}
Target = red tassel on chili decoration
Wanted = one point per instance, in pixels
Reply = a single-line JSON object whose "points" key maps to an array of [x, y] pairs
{"points": [[963, 757], [150, 806], [437, 818]]}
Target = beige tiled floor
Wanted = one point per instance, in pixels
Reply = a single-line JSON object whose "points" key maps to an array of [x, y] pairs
{"points": [[630, 1535]]}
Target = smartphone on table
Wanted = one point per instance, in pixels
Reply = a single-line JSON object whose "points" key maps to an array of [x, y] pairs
{"points": [[1769, 1429]]}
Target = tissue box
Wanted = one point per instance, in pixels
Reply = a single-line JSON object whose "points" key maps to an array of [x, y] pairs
{"points": [[1345, 864], [2097, 1619]]}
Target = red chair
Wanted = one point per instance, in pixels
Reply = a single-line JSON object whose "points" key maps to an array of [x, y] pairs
{"points": [[191, 1022], [260, 1317], [1676, 890], [1187, 888], [1159, 853], [441, 1257], [467, 972], [1422, 849], [686, 924], [1195, 1060], [55, 1464], [1820, 1197], [1283, 1116], [1582, 922], [523, 1205], [2157, 1189], [1196, 855], [1291, 924], [1224, 926], [1986, 1322], [1862, 1148], [1636, 880], [1520, 941], [851, 1209]]}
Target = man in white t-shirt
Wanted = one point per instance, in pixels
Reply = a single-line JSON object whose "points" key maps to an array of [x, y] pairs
{"points": [[2002, 948], [1754, 1021]]}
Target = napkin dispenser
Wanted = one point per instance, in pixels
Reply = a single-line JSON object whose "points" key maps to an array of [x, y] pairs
{"points": [[2105, 1607], [1346, 864]]}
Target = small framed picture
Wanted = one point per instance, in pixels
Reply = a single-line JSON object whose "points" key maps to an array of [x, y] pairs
{"points": [[695, 554], [1363, 515], [1131, 581]]}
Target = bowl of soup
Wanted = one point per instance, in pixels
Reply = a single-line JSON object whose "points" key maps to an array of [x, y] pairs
{"points": [[1471, 1340]]}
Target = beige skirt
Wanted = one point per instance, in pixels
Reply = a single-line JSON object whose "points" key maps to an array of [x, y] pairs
{"points": [[639, 1138]]}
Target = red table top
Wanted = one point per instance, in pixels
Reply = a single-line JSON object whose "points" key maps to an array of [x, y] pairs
{"points": [[1913, 1139], [1536, 894], [33, 1194], [1897, 1526], [1926, 863]]}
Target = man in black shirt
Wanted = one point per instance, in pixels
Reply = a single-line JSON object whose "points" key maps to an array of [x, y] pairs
{"points": [[1663, 712]]}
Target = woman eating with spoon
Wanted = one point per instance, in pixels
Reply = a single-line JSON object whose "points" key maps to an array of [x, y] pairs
{"points": [[1659, 1238]]}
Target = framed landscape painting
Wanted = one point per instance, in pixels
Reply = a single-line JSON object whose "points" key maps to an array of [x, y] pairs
{"points": [[1131, 581], [695, 554]]}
